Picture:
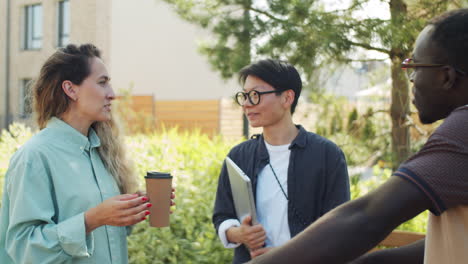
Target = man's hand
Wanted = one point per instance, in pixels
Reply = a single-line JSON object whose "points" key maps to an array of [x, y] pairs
{"points": [[259, 252], [251, 236]]}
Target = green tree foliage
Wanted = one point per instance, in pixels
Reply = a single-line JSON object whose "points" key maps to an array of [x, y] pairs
{"points": [[368, 131], [336, 125], [352, 121], [366, 137], [195, 161], [379, 175], [10, 141], [330, 113], [309, 36]]}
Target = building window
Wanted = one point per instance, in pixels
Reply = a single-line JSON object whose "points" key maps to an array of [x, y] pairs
{"points": [[63, 23], [25, 98], [33, 27]]}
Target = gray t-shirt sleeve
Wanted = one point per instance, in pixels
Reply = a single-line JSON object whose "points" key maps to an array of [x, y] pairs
{"points": [[440, 168]]}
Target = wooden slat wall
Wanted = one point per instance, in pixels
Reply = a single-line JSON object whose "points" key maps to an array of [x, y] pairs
{"points": [[212, 117], [189, 115], [231, 119], [143, 104], [138, 112], [400, 238]]}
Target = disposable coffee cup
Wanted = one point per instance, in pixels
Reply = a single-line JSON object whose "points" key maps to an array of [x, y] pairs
{"points": [[158, 190]]}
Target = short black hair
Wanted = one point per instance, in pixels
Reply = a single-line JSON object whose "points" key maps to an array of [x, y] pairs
{"points": [[279, 74], [451, 35]]}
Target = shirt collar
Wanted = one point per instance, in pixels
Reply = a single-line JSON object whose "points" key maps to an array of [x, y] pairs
{"points": [[300, 141], [301, 138], [72, 136]]}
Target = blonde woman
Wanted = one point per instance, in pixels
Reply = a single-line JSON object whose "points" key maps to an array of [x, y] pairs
{"points": [[67, 193]]}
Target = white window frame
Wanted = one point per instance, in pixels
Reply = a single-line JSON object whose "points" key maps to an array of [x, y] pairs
{"points": [[63, 26], [33, 27]]}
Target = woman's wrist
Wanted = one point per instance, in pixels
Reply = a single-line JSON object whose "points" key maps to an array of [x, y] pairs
{"points": [[91, 220]]}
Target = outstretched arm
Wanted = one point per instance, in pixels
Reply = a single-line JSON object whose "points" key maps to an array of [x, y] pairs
{"points": [[353, 228]]}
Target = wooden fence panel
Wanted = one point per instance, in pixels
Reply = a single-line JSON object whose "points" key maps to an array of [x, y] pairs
{"points": [[400, 238], [137, 112], [213, 117], [231, 119], [189, 115]]}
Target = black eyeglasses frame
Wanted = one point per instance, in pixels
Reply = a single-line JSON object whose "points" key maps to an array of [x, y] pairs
{"points": [[247, 96]]}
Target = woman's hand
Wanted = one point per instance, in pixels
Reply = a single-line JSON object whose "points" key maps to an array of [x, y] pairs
{"points": [[251, 236], [120, 210], [172, 203], [172, 199]]}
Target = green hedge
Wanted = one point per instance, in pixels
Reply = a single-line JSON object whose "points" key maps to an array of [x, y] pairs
{"points": [[9, 142], [195, 161]]}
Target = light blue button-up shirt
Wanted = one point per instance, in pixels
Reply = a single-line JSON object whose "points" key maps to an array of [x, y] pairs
{"points": [[51, 181]]}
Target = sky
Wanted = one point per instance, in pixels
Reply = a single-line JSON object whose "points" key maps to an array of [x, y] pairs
{"points": [[372, 9]]}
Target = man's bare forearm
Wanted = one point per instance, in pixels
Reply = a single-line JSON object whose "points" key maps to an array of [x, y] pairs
{"points": [[338, 237], [352, 229]]}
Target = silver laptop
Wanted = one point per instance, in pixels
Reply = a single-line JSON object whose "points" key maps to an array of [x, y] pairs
{"points": [[242, 194]]}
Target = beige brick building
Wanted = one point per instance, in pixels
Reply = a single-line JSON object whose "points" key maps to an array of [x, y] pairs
{"points": [[146, 47]]}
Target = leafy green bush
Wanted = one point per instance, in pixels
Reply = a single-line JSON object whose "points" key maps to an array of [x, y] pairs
{"points": [[10, 141], [194, 160], [379, 175]]}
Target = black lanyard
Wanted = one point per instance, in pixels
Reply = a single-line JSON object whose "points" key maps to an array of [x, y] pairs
{"points": [[277, 180], [295, 211]]}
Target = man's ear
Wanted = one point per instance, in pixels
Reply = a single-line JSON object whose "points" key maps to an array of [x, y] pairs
{"points": [[289, 95], [450, 76], [70, 90]]}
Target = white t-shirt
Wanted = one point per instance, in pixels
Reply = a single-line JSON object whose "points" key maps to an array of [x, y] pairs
{"points": [[272, 206], [447, 237]]}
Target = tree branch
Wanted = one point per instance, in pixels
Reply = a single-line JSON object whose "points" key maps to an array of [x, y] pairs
{"points": [[368, 47], [385, 111], [457, 4], [361, 60], [410, 123], [426, 13], [268, 15]]}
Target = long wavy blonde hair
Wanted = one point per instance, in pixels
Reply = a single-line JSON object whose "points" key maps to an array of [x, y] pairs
{"points": [[73, 63]]}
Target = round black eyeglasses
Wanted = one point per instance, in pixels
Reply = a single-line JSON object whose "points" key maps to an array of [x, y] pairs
{"points": [[253, 96]]}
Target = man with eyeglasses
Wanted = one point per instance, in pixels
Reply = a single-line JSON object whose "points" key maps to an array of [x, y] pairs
{"points": [[297, 176], [435, 178]]}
